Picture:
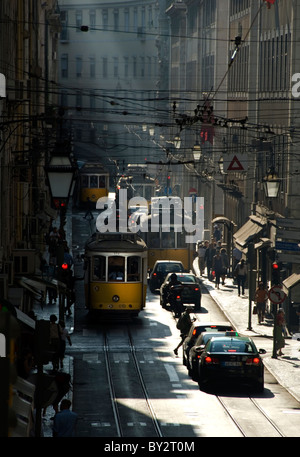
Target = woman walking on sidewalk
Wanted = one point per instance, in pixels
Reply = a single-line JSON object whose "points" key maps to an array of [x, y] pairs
{"points": [[218, 268], [261, 297], [241, 275], [279, 331]]}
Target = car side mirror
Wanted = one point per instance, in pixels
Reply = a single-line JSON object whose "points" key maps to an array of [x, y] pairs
{"points": [[262, 351]]}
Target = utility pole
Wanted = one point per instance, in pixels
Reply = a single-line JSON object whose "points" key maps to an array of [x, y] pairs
{"points": [[251, 279]]}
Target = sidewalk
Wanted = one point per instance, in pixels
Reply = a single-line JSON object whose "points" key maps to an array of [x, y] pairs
{"points": [[286, 369], [44, 313]]}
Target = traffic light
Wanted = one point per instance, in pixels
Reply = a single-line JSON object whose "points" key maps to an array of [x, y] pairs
{"points": [[64, 266], [275, 273]]}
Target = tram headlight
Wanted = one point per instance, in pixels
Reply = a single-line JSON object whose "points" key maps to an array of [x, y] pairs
{"points": [[116, 298]]}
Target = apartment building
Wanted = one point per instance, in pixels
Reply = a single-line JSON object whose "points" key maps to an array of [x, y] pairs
{"points": [[240, 57], [109, 76], [28, 39]]}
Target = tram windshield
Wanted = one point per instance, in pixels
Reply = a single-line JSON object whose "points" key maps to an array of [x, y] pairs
{"points": [[119, 268], [133, 268], [116, 268], [166, 240], [93, 182]]}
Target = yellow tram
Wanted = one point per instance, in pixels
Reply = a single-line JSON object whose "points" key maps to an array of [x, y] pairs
{"points": [[166, 241], [93, 182], [137, 182], [115, 278]]}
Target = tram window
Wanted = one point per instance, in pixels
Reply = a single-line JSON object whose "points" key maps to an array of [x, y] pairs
{"points": [[99, 268], [148, 192], [101, 182], [181, 242], [153, 240], [85, 181], [116, 268], [133, 268], [93, 182], [138, 190], [168, 240]]}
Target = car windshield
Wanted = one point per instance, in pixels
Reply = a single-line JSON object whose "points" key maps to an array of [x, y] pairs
{"points": [[231, 346], [168, 268], [207, 337], [186, 278]]}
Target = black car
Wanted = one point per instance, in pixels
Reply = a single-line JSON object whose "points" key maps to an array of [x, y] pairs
{"points": [[161, 269], [196, 351], [195, 330], [235, 358], [190, 293]]}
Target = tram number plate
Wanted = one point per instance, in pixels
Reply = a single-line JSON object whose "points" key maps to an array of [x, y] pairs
{"points": [[232, 364]]}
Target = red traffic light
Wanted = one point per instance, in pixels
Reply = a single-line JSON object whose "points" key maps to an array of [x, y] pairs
{"points": [[275, 266], [65, 266]]}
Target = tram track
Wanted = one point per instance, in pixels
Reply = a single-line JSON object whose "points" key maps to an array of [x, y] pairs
{"points": [[140, 420], [245, 407]]}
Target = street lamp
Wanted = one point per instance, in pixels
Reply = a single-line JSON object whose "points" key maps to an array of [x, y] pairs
{"points": [[271, 183], [197, 151], [60, 172], [177, 142]]}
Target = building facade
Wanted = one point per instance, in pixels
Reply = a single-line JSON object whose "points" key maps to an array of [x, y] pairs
{"points": [[28, 46], [109, 76], [233, 63]]}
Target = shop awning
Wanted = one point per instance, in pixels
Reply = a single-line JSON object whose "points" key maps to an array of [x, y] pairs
{"points": [[38, 286], [253, 227], [290, 282], [262, 243], [221, 219]]}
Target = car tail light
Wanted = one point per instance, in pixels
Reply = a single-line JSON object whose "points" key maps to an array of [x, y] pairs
{"points": [[196, 288], [154, 274], [253, 361], [211, 360]]}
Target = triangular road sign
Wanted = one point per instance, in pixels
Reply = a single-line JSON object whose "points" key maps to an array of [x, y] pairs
{"points": [[235, 165]]}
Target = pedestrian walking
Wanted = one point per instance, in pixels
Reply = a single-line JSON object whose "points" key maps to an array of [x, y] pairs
{"points": [[218, 268], [260, 298], [55, 341], [64, 338], [217, 233], [184, 324], [241, 276], [209, 255], [278, 331], [201, 257], [65, 421], [225, 264]]}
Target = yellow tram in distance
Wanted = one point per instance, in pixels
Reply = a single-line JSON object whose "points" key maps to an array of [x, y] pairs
{"points": [[115, 278], [93, 183], [137, 182]]}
